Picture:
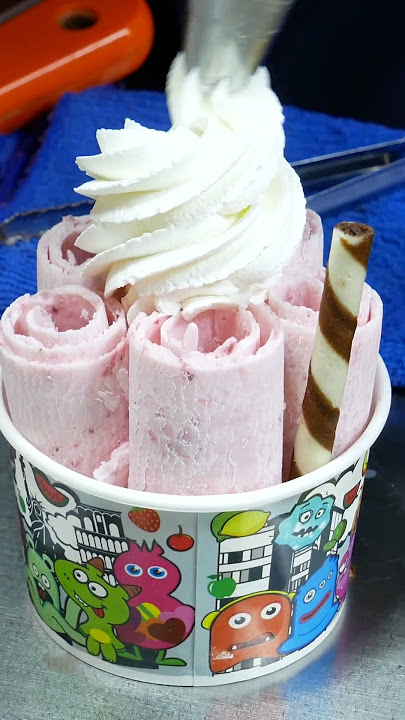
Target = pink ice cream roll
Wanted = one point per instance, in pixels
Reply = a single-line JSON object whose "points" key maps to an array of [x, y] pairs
{"points": [[64, 355], [59, 261], [115, 470], [358, 394], [206, 402], [295, 299], [309, 253]]}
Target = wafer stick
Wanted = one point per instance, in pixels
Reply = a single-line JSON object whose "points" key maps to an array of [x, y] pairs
{"points": [[345, 275]]}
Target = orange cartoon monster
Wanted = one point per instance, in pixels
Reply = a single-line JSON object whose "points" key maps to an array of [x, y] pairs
{"points": [[250, 627]]}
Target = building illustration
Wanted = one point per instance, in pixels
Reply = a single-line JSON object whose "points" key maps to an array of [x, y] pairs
{"points": [[248, 561], [252, 561], [101, 535]]}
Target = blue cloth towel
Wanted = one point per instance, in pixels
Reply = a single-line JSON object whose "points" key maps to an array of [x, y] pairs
{"points": [[43, 190]]}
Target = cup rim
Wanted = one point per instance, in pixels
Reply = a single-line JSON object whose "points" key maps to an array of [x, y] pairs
{"points": [[208, 503]]}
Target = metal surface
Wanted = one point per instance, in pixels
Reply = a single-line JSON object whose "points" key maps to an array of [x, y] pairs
{"points": [[359, 673], [358, 188], [325, 170], [333, 181], [228, 38]]}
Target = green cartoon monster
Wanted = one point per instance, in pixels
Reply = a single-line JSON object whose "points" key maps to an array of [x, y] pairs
{"points": [[44, 593], [104, 605], [42, 586]]}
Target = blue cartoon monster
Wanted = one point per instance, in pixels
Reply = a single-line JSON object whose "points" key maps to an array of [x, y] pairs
{"points": [[314, 606], [306, 522]]}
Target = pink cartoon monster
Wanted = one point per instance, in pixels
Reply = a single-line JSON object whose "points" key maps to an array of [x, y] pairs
{"points": [[158, 621], [342, 583]]}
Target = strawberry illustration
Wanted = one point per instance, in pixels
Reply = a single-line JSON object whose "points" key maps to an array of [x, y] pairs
{"points": [[145, 519]]}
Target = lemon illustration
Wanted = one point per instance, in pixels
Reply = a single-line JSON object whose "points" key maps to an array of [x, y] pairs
{"points": [[245, 523]]}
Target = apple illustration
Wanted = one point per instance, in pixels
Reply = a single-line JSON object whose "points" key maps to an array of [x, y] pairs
{"points": [[221, 587], [180, 542]]}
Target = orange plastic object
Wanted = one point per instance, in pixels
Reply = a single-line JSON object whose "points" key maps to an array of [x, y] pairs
{"points": [[57, 46]]}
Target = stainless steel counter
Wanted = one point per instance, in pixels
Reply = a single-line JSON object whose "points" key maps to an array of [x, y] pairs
{"points": [[359, 673]]}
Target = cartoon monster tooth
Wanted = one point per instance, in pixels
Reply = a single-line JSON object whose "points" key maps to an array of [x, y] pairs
{"points": [[158, 621], [105, 606], [306, 522], [250, 627], [314, 606]]}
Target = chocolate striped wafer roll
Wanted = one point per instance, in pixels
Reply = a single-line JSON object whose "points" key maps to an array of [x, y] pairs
{"points": [[344, 281]]}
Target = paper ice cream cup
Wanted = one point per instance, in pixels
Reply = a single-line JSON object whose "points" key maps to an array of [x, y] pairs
{"points": [[190, 590]]}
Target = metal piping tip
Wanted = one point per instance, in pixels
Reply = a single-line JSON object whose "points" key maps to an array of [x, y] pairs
{"points": [[228, 38]]}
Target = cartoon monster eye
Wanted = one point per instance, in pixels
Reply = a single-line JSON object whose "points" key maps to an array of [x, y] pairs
{"points": [[319, 513], [80, 576], [239, 620], [157, 573], [305, 516], [133, 570], [330, 575], [342, 567], [98, 590], [270, 611], [35, 570], [310, 595], [322, 584], [45, 582]]}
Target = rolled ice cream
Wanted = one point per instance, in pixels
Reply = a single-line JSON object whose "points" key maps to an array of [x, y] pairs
{"points": [[206, 402], [60, 261], [64, 357]]}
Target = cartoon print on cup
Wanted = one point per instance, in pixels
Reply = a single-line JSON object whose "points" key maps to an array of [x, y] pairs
{"points": [[221, 587], [44, 593], [145, 519], [105, 606], [42, 585], [158, 621], [243, 565], [180, 541], [336, 536], [262, 563], [306, 522], [238, 524], [248, 628], [342, 584], [314, 606], [49, 511]]}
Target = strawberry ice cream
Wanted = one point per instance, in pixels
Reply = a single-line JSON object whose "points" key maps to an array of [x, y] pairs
{"points": [[115, 470], [206, 402], [64, 357], [59, 261], [309, 253], [203, 233]]}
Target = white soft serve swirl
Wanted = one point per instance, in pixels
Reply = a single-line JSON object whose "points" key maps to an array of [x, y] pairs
{"points": [[201, 216]]}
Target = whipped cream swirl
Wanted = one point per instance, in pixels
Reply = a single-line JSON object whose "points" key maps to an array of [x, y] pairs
{"points": [[201, 216]]}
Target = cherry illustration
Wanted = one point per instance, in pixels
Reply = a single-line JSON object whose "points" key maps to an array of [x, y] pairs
{"points": [[180, 542]]}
